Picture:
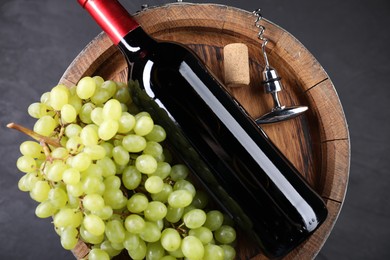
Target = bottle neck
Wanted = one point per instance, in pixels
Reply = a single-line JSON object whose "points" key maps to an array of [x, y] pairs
{"points": [[112, 17]]}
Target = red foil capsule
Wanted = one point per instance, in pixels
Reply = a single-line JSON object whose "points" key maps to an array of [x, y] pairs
{"points": [[113, 18]]}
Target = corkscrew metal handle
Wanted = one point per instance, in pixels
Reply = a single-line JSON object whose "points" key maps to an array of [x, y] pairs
{"points": [[272, 83]]}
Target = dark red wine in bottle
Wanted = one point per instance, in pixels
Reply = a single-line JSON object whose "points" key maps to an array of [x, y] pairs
{"points": [[228, 152]]}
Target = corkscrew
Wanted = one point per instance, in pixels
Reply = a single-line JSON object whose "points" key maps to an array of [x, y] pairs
{"points": [[272, 84]]}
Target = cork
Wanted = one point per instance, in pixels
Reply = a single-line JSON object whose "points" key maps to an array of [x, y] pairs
{"points": [[236, 65]]}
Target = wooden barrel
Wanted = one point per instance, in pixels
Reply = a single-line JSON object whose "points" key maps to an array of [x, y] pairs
{"points": [[317, 142]]}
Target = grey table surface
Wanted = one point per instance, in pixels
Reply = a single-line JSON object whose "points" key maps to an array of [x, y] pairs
{"points": [[350, 39]]}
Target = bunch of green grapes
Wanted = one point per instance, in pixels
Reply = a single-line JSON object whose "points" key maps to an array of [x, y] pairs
{"points": [[100, 170]]}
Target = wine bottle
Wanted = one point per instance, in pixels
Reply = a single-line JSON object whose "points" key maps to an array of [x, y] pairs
{"points": [[228, 152]]}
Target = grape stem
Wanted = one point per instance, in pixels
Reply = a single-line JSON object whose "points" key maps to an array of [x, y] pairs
{"points": [[36, 136]]}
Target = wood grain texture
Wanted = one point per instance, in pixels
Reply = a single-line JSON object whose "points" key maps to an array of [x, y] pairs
{"points": [[317, 143]]}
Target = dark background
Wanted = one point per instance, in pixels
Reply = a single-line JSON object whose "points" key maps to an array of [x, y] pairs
{"points": [[350, 39]]}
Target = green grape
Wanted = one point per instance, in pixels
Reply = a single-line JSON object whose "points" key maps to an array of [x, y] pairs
{"points": [[69, 238], [126, 123], [92, 185], [108, 147], [103, 93], [179, 172], [134, 143], [72, 130], [124, 108], [115, 232], [203, 234], [192, 247], [26, 164], [89, 135], [177, 253], [68, 113], [214, 220], [131, 177], [114, 198], [95, 152], [131, 241], [163, 170], [98, 81], [73, 202], [174, 214], [60, 153], [154, 149], [123, 95], [32, 149], [180, 198], [45, 209], [98, 254], [112, 182], [154, 184], [188, 208], [23, 184], [139, 252], [137, 203], [97, 115], [158, 134], [168, 257], [74, 145], [86, 87], [225, 234], [45, 98], [141, 114], [134, 224], [150, 233], [75, 190], [45, 125], [37, 110], [108, 129], [93, 202], [81, 161], [185, 185], [110, 87], [90, 238], [146, 164], [229, 252], [154, 251], [163, 194], [93, 170], [108, 166], [155, 210], [76, 103], [194, 218], [143, 125], [56, 170], [104, 213], [213, 252], [94, 225], [59, 97], [121, 155], [160, 224], [40, 191], [100, 96], [85, 112], [67, 217], [200, 200], [170, 239], [112, 110], [58, 197], [107, 247], [118, 246]]}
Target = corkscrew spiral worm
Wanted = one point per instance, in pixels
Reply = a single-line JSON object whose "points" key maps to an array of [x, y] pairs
{"points": [[260, 34]]}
